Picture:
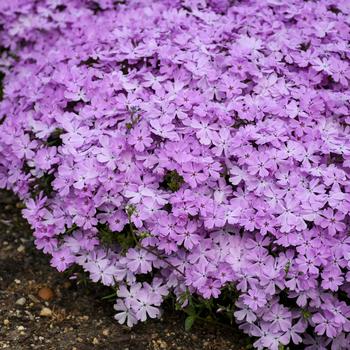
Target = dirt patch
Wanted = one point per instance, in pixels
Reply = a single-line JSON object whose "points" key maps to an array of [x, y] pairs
{"points": [[76, 318]]}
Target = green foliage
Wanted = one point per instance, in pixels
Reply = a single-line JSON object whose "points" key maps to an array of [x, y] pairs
{"points": [[130, 210], [135, 117], [172, 181], [124, 239], [81, 277], [283, 347], [43, 184], [106, 236], [189, 322], [55, 138], [306, 314], [287, 267], [111, 296], [208, 310]]}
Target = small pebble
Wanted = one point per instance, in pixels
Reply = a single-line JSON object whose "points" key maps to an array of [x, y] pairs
{"points": [[20, 328], [21, 248], [21, 301], [45, 312], [95, 341], [105, 332], [45, 293], [17, 281], [67, 284], [33, 298], [6, 322]]}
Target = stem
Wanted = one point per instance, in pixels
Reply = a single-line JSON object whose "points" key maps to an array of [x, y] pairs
{"points": [[150, 250], [74, 227]]}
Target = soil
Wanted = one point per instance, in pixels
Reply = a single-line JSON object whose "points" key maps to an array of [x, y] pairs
{"points": [[78, 318]]}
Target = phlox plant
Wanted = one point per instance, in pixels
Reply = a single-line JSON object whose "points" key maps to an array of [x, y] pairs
{"points": [[191, 148]]}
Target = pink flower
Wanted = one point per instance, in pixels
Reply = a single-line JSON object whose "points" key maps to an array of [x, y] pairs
{"points": [[193, 174], [139, 260], [205, 131], [325, 324], [140, 138], [332, 220], [62, 259], [254, 299], [259, 164], [124, 314]]}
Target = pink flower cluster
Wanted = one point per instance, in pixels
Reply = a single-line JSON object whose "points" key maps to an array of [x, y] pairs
{"points": [[211, 136]]}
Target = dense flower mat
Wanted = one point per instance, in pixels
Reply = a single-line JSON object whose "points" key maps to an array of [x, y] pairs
{"points": [[188, 147]]}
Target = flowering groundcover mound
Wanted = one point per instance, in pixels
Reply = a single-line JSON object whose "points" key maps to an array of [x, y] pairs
{"points": [[197, 148]]}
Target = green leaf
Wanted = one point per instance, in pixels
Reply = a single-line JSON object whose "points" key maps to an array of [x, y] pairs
{"points": [[189, 322], [306, 314], [172, 181], [191, 310], [54, 138], [110, 296]]}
